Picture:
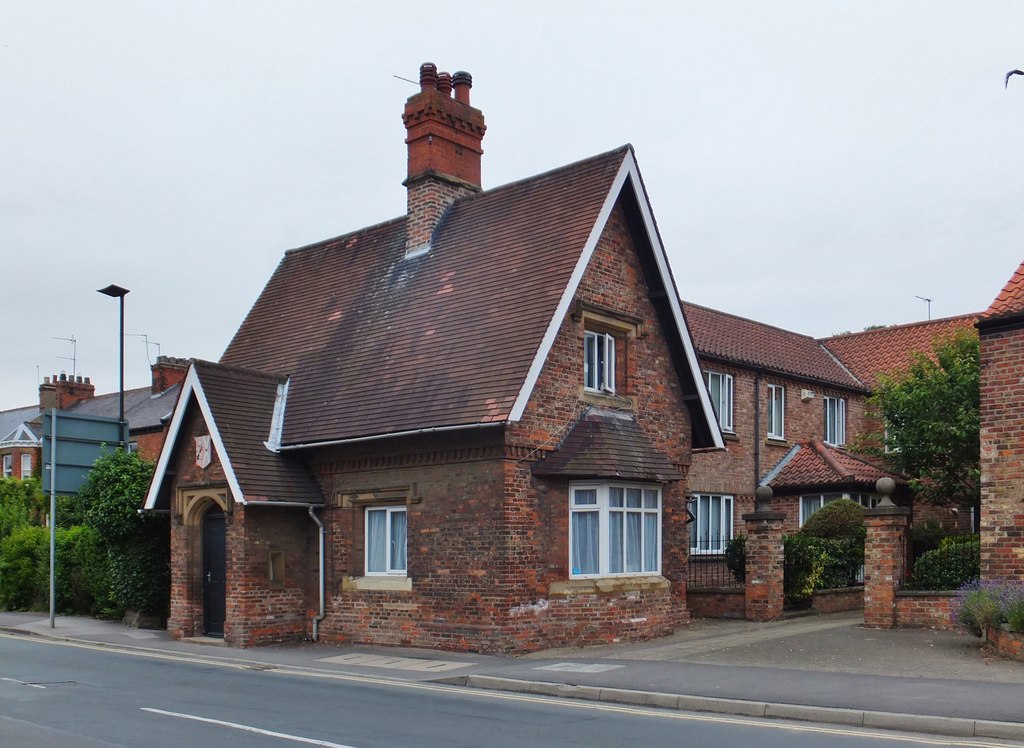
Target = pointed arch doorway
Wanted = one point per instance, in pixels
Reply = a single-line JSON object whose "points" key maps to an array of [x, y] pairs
{"points": [[214, 572]]}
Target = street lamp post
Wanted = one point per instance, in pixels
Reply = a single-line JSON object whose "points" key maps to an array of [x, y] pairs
{"points": [[119, 293]]}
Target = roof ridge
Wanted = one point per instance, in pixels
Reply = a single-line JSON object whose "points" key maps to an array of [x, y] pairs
{"points": [[233, 369], [902, 326]]}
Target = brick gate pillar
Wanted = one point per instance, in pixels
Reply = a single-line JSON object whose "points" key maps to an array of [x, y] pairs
{"points": [[765, 565], [884, 561]]}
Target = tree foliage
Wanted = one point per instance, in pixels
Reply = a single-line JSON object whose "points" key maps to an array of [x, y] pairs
{"points": [[21, 503], [932, 421]]}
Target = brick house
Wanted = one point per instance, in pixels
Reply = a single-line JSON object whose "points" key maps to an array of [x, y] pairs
{"points": [[787, 405], [468, 427], [1001, 342], [145, 409]]}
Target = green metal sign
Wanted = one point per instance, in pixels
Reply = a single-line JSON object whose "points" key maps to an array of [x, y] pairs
{"points": [[81, 439]]}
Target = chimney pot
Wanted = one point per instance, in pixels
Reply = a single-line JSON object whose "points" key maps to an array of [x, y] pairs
{"points": [[444, 84], [78, 379], [63, 376], [462, 82], [46, 380], [87, 380], [428, 76]]}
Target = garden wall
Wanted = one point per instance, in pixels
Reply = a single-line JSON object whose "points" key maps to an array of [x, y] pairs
{"points": [[838, 600], [1007, 643], [716, 603], [926, 609]]}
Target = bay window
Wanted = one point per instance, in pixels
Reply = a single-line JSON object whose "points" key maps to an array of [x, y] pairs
{"points": [[614, 529]]}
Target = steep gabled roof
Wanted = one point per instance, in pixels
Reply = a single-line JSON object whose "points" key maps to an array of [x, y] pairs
{"points": [[886, 349], [744, 342], [816, 465], [377, 343], [1010, 301], [238, 406]]}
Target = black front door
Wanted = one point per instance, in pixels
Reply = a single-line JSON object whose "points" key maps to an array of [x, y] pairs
{"points": [[214, 572]]}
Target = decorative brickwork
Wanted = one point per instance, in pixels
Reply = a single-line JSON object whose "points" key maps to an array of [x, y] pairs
{"points": [[884, 554], [1002, 451], [765, 566]]}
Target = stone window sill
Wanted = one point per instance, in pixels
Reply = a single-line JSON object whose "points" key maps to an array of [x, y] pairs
{"points": [[378, 584], [607, 585]]}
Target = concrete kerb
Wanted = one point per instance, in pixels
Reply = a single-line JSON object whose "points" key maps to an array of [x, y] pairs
{"points": [[952, 726]]}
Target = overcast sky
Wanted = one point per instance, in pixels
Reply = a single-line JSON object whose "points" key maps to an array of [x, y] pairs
{"points": [[812, 165]]}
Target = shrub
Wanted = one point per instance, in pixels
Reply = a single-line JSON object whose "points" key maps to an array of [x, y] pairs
{"points": [[955, 562], [983, 603], [736, 557], [805, 567], [21, 503], [842, 518], [25, 569]]}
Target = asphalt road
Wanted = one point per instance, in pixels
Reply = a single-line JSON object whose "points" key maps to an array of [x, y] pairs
{"points": [[58, 694]]}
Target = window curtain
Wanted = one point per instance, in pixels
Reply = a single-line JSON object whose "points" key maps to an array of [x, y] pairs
{"points": [[376, 541], [584, 543], [398, 533]]}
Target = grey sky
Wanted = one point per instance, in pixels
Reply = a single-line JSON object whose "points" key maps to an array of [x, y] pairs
{"points": [[811, 165]]}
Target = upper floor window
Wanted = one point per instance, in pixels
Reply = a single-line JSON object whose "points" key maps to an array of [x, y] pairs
{"points": [[711, 529], [599, 362], [386, 540], [8, 462], [614, 529], [776, 411], [26, 466], [720, 389], [835, 421]]}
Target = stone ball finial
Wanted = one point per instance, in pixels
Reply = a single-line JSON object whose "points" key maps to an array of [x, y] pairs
{"points": [[762, 495], [885, 486]]}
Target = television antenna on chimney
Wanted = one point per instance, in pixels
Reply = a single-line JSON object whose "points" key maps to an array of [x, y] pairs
{"points": [[926, 301], [145, 339], [73, 358]]}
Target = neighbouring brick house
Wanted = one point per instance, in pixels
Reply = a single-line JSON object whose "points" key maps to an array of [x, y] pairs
{"points": [[1001, 342], [145, 409], [787, 405], [468, 427]]}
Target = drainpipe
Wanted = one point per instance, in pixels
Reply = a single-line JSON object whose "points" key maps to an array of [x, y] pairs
{"points": [[321, 532], [757, 431]]}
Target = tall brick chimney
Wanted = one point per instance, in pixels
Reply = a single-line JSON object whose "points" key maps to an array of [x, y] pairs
{"points": [[64, 391], [167, 372], [444, 134]]}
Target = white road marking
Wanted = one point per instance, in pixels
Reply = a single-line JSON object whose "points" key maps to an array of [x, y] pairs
{"points": [[246, 728], [23, 683], [579, 667]]}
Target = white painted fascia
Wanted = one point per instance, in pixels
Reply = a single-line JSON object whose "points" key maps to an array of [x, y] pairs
{"points": [[191, 387], [273, 442], [628, 170]]}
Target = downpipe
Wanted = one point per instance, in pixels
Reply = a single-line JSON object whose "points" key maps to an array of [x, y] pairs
{"points": [[322, 533]]}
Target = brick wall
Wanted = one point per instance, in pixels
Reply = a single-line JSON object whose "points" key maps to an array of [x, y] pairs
{"points": [[884, 552], [1002, 453], [716, 603], [933, 610], [1007, 643], [838, 601]]}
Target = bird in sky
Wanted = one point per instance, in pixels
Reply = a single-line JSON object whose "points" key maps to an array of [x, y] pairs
{"points": [[1012, 72]]}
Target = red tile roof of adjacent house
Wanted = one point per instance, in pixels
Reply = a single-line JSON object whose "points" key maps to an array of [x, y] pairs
{"points": [[818, 465], [1010, 301], [726, 337], [608, 444], [886, 349]]}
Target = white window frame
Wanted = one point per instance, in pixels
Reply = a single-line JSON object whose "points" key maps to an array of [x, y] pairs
{"points": [[835, 420], [723, 403], [776, 411], [711, 511], [601, 505], [599, 366], [26, 465], [390, 570], [8, 466], [866, 500]]}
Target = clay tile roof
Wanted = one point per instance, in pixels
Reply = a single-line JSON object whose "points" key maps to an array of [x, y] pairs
{"points": [[818, 465], [726, 337], [872, 352], [608, 444], [242, 405], [1010, 301], [376, 343]]}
